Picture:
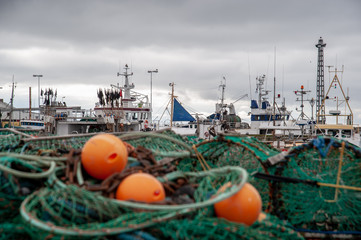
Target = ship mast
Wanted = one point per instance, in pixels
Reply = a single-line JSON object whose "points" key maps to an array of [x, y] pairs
{"points": [[335, 81], [223, 86], [274, 90], [11, 103], [127, 87], [261, 92], [172, 104]]}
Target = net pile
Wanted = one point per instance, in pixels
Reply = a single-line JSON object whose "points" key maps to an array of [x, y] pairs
{"points": [[72, 211], [246, 152], [317, 187], [209, 227], [46, 194], [161, 144]]}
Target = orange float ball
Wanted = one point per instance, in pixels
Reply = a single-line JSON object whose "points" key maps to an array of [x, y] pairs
{"points": [[103, 155], [141, 187], [243, 207]]}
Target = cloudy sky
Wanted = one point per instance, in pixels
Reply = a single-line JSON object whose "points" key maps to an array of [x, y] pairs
{"points": [[79, 46]]}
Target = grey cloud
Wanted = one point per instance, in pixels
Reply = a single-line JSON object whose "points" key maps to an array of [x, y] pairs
{"points": [[192, 43]]}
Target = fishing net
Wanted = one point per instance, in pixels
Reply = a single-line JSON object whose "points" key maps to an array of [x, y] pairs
{"points": [[19, 176], [210, 227], [161, 144], [47, 185], [142, 160], [8, 131], [54, 145], [190, 140], [9, 142], [72, 211], [10, 139], [15, 230], [317, 187], [248, 153]]}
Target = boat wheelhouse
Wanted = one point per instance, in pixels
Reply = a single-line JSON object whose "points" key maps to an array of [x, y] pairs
{"points": [[263, 115], [122, 108]]}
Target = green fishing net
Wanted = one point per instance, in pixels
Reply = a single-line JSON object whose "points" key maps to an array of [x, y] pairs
{"points": [[305, 192], [51, 197], [246, 152], [75, 212]]}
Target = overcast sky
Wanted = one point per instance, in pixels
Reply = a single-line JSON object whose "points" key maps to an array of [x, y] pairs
{"points": [[79, 46]]}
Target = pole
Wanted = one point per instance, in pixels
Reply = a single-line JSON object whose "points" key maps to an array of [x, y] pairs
{"points": [[274, 91], [29, 103], [38, 76], [172, 105], [151, 94], [11, 103], [39, 91]]}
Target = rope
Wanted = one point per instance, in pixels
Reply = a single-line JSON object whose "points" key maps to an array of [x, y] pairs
{"points": [[201, 159], [338, 173], [277, 178], [21, 174]]}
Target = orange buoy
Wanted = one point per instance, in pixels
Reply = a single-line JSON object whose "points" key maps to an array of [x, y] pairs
{"points": [[243, 207], [103, 155], [141, 187]]}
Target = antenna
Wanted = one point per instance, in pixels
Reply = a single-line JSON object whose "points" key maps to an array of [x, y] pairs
{"points": [[12, 101], [283, 77], [267, 70], [249, 78], [343, 68], [329, 73], [274, 89], [223, 86]]}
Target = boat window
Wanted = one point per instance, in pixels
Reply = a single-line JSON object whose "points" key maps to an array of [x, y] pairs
{"points": [[346, 133], [135, 116], [332, 132]]}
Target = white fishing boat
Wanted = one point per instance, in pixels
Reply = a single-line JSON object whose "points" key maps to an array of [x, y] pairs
{"points": [[264, 119], [267, 118], [342, 127], [120, 109], [180, 121]]}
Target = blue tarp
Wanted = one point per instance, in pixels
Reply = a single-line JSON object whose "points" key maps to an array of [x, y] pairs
{"points": [[180, 114]]}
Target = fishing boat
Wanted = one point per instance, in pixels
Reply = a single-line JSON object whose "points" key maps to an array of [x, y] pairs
{"points": [[119, 109], [342, 127], [181, 121], [266, 119], [123, 109]]}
